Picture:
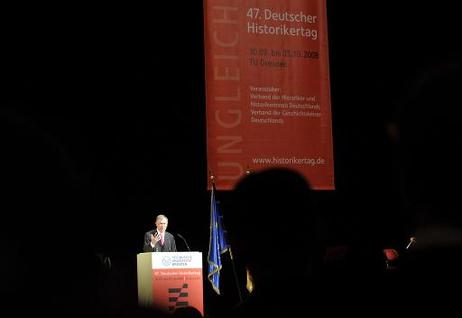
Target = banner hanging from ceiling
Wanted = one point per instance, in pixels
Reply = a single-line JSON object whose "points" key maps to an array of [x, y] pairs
{"points": [[267, 89]]}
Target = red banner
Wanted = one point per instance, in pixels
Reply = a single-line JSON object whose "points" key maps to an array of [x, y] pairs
{"points": [[268, 94]]}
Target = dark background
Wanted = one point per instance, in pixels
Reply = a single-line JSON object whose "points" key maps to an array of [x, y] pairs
{"points": [[103, 122]]}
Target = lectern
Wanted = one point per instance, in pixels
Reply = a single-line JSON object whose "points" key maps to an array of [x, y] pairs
{"points": [[170, 280]]}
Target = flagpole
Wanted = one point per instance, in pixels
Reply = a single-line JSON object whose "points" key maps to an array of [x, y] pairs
{"points": [[235, 275], [236, 280]]}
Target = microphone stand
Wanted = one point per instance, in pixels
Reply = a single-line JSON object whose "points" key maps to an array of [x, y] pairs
{"points": [[184, 240]]}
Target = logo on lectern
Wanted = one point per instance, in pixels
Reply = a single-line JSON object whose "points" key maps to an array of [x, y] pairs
{"points": [[166, 261]]}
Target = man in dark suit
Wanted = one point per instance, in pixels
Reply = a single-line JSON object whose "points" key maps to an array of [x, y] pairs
{"points": [[159, 240]]}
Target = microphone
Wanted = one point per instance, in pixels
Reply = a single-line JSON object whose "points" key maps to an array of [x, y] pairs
{"points": [[411, 242], [184, 240]]}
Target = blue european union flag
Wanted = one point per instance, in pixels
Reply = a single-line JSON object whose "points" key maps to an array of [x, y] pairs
{"points": [[218, 243]]}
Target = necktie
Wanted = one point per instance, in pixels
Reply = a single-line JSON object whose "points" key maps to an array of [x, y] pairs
{"points": [[162, 239]]}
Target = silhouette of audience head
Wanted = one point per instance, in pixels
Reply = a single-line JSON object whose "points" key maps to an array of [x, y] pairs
{"points": [[429, 137], [45, 236], [273, 228], [187, 312]]}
